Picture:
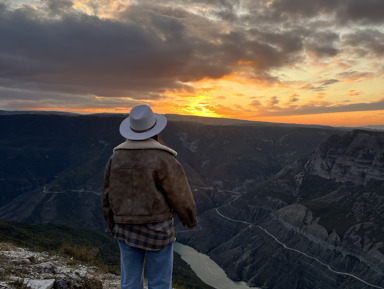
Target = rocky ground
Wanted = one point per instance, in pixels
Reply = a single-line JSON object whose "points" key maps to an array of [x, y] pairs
{"points": [[23, 268]]}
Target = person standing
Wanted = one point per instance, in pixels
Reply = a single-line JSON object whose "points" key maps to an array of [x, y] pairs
{"points": [[144, 186]]}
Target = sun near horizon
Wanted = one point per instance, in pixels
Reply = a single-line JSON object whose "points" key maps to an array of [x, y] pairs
{"points": [[243, 99], [347, 119]]}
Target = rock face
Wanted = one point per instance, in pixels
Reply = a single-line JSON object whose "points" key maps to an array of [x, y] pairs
{"points": [[357, 157], [40, 270], [315, 224]]}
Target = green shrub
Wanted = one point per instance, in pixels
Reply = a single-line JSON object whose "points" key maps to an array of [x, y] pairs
{"points": [[92, 284], [80, 253]]}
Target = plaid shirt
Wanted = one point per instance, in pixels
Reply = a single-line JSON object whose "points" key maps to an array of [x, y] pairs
{"points": [[151, 236]]}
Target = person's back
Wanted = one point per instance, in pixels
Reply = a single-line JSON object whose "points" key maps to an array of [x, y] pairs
{"points": [[144, 185]]}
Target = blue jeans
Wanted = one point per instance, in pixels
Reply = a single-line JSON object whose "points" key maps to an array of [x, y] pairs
{"points": [[159, 265]]}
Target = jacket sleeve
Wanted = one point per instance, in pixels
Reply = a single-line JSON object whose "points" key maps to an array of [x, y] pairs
{"points": [[178, 192], [107, 210]]}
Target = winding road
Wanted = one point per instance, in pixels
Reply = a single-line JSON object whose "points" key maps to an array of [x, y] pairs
{"points": [[298, 251]]}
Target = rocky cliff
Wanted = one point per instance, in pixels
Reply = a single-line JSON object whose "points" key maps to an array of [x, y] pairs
{"points": [[24, 268], [315, 224], [45, 256], [357, 157]]}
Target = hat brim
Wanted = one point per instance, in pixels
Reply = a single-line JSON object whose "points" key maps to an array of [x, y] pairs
{"points": [[128, 133]]}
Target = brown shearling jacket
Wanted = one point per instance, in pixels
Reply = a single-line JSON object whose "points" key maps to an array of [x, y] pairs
{"points": [[144, 183]]}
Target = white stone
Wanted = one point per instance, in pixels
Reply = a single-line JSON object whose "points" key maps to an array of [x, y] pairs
{"points": [[47, 266], [62, 270], [81, 273], [25, 261], [40, 284]]}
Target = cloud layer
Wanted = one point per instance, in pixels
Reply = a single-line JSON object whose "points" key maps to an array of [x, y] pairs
{"points": [[72, 51]]}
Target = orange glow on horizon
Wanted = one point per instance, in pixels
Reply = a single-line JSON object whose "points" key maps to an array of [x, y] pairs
{"points": [[235, 97], [78, 110], [347, 119]]}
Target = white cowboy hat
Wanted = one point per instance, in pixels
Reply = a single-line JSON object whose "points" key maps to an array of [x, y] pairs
{"points": [[142, 123]]}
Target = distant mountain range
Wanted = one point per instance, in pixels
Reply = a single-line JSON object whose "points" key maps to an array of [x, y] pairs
{"points": [[280, 206], [376, 127]]}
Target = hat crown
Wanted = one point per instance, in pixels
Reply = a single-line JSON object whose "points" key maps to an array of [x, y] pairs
{"points": [[142, 118], [142, 123]]}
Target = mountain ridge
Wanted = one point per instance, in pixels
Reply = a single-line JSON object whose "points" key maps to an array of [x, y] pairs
{"points": [[182, 117], [299, 215]]}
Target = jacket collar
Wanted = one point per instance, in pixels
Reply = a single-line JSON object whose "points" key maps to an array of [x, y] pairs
{"points": [[143, 145]]}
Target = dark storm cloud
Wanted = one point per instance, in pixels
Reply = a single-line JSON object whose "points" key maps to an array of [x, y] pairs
{"points": [[266, 51], [148, 51], [303, 8], [288, 41], [365, 11], [84, 52], [57, 7], [366, 41], [103, 57], [362, 11], [151, 47], [323, 44]]}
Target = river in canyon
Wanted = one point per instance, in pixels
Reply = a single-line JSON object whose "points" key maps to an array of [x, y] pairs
{"points": [[206, 269]]}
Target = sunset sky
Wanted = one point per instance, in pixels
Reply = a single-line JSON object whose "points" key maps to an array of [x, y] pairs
{"points": [[291, 61]]}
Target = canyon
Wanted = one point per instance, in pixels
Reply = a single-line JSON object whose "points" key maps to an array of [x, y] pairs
{"points": [[280, 206]]}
